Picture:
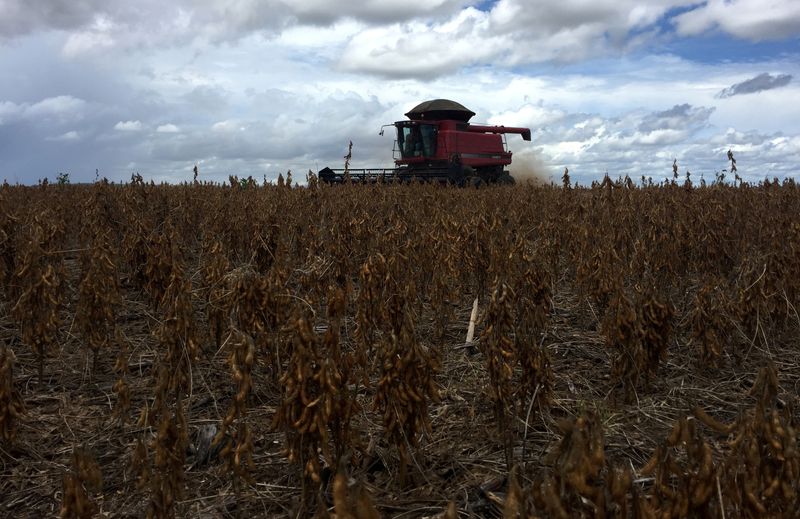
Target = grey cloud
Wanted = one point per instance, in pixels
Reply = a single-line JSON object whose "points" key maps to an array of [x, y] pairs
{"points": [[210, 99], [150, 22], [744, 138], [283, 130], [19, 17], [272, 139], [237, 19], [277, 135], [573, 127], [148, 16], [679, 117], [71, 135], [325, 12], [759, 83], [558, 16], [579, 134]]}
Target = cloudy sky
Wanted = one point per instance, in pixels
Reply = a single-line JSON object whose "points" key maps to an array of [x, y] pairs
{"points": [[258, 87]]}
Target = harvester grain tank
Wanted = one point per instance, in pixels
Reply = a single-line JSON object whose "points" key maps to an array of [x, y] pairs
{"points": [[438, 144]]}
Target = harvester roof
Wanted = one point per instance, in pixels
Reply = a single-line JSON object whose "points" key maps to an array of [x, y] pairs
{"points": [[438, 109]]}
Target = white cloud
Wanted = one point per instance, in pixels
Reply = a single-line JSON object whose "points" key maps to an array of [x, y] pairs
{"points": [[8, 111], [167, 128], [55, 106], [660, 137], [750, 19], [511, 33], [227, 126], [128, 126], [529, 115], [417, 49], [58, 109], [71, 135], [97, 38], [317, 37]]}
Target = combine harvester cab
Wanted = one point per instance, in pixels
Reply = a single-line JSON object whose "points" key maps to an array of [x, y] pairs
{"points": [[438, 144]]}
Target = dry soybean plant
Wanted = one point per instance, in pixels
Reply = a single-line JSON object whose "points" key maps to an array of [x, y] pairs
{"points": [[762, 471], [577, 461], [638, 335], [655, 315], [346, 295], [166, 476], [370, 308], [11, 404], [685, 474], [214, 269], [709, 322], [534, 304], [305, 408], [98, 297], [406, 385], [238, 452], [352, 503], [577, 481], [84, 477], [121, 389], [178, 334], [497, 343], [340, 367], [40, 283], [7, 250]]}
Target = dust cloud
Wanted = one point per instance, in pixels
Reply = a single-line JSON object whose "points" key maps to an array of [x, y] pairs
{"points": [[529, 168]]}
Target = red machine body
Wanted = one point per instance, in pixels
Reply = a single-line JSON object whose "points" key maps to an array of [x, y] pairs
{"points": [[437, 143]]}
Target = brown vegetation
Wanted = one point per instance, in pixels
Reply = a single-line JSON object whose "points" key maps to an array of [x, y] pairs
{"points": [[300, 351]]}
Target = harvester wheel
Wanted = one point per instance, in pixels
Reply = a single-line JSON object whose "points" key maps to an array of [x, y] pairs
{"points": [[506, 179], [474, 182], [456, 176]]}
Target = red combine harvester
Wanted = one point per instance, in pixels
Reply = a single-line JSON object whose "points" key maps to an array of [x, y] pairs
{"points": [[438, 144]]}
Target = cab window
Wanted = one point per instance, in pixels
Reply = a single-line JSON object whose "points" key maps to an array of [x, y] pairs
{"points": [[417, 140]]}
